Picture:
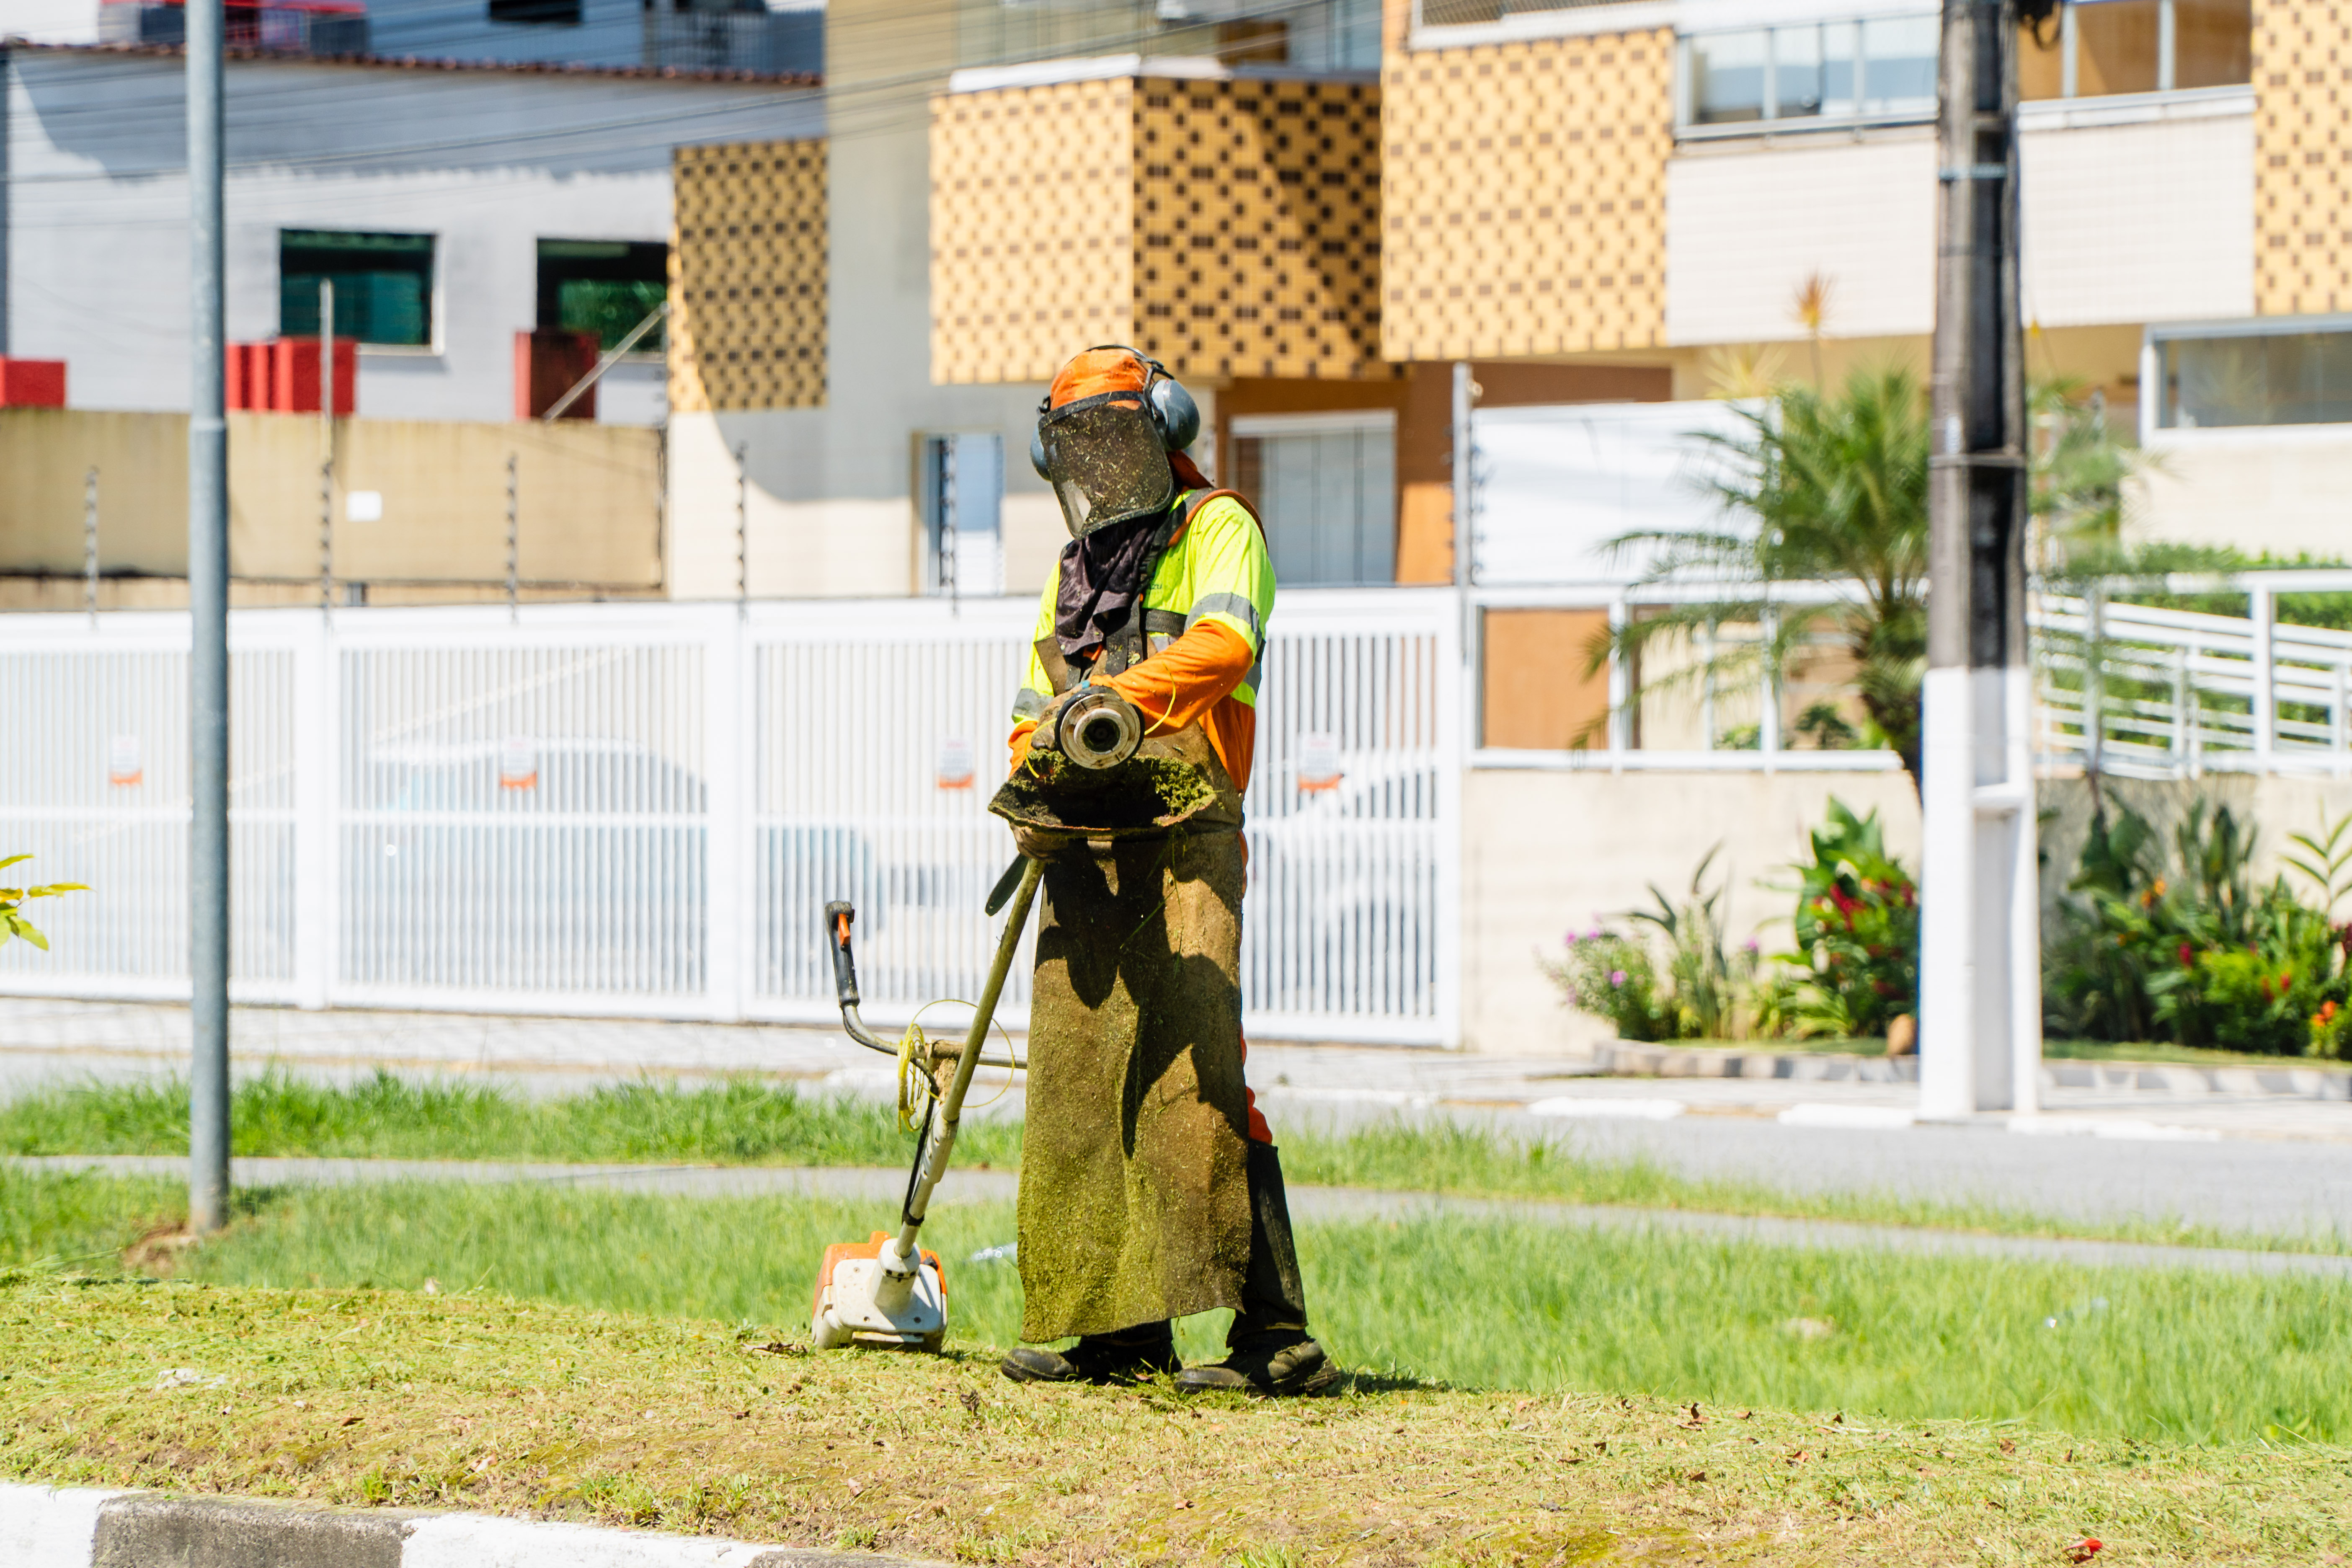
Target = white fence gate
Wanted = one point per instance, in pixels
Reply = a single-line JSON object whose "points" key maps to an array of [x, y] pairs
{"points": [[641, 809]]}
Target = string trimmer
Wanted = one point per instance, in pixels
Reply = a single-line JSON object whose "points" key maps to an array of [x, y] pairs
{"points": [[887, 1291]]}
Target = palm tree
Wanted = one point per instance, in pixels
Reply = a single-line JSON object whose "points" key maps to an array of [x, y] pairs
{"points": [[1819, 487]]}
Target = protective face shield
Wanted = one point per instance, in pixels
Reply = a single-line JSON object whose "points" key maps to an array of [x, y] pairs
{"points": [[1105, 455]]}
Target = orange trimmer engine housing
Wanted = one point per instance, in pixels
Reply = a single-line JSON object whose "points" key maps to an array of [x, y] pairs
{"points": [[844, 1302]]}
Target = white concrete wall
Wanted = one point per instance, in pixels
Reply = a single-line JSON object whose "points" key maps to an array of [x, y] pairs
{"points": [[50, 21], [1747, 224], [2282, 488], [2125, 221], [488, 162], [2146, 222], [1543, 853]]}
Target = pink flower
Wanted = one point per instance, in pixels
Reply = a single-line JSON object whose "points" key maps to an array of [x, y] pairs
{"points": [[1616, 977]]}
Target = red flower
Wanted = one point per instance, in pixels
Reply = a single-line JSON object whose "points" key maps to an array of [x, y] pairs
{"points": [[2187, 960], [2083, 1549]]}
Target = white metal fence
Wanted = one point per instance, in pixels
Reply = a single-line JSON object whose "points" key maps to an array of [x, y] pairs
{"points": [[632, 809], [2170, 693]]}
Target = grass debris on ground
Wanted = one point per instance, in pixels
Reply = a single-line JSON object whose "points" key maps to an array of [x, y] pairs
{"points": [[744, 1122], [399, 1398], [2113, 1353]]}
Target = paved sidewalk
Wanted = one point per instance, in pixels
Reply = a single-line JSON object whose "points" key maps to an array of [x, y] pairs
{"points": [[884, 1188]]}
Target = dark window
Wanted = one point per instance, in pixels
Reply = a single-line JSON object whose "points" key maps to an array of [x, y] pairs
{"points": [[383, 285], [543, 13], [2278, 377], [603, 286]]}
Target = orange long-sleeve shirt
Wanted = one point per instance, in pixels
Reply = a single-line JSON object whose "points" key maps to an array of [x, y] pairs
{"points": [[1190, 681]]}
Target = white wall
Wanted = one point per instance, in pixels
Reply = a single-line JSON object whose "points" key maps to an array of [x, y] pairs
{"points": [[2125, 221], [1543, 853], [2146, 222], [488, 162], [2281, 489], [1555, 484], [50, 21], [1747, 224]]}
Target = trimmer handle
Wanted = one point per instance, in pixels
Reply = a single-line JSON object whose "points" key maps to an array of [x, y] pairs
{"points": [[837, 918]]}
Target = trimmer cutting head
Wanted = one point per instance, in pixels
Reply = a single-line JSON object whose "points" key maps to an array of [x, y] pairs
{"points": [[862, 1303]]}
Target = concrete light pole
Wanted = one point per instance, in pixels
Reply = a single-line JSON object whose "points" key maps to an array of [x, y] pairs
{"points": [[1980, 960], [208, 913]]}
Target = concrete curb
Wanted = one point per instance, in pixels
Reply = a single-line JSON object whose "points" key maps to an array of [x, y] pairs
{"points": [[79, 1527], [2177, 1081]]}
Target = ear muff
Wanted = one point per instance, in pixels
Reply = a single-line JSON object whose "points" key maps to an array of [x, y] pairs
{"points": [[1037, 452], [1179, 416]]}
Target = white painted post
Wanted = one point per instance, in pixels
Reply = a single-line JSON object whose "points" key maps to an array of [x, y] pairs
{"points": [[317, 809], [1621, 720], [2263, 609], [2180, 717], [1706, 691], [1455, 737], [1979, 962], [2335, 727], [730, 753], [2024, 914]]}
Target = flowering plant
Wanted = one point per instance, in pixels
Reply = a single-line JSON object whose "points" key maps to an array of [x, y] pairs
{"points": [[1609, 974], [1856, 967], [1692, 992]]}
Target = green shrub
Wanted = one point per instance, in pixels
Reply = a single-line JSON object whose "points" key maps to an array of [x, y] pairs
{"points": [[1856, 967], [1694, 993], [13, 923], [2201, 957]]}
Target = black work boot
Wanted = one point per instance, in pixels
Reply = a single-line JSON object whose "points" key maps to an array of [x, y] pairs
{"points": [[1121, 1357], [1283, 1360], [1268, 1349]]}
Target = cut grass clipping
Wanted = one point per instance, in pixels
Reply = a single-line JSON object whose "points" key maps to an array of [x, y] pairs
{"points": [[743, 1123], [455, 1401], [2179, 1355]]}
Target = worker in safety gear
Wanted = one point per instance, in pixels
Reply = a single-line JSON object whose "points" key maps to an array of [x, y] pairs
{"points": [[1150, 1184]]}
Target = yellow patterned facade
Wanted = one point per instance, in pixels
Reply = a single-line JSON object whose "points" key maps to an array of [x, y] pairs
{"points": [[2303, 158], [1226, 228], [1524, 189], [747, 277], [1032, 246]]}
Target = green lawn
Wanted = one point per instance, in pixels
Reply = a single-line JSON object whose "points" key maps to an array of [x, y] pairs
{"points": [[749, 1123], [387, 1117], [2139, 1354]]}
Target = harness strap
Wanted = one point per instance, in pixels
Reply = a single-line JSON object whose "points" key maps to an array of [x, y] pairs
{"points": [[1131, 644]]}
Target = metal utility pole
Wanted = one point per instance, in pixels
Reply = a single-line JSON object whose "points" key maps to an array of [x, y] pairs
{"points": [[326, 445], [514, 540], [89, 545], [1980, 969], [208, 911]]}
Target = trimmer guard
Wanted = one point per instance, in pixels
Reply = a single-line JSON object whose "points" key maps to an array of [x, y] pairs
{"points": [[858, 1304]]}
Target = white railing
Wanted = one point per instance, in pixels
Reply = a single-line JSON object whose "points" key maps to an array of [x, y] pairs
{"points": [[2151, 692], [641, 809]]}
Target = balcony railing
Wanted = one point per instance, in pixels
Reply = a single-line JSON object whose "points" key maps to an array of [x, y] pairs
{"points": [[772, 43], [301, 27]]}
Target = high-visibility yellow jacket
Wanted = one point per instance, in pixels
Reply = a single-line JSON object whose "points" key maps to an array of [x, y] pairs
{"points": [[1204, 617]]}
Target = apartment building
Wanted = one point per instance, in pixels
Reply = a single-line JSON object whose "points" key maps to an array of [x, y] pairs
{"points": [[1312, 212]]}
